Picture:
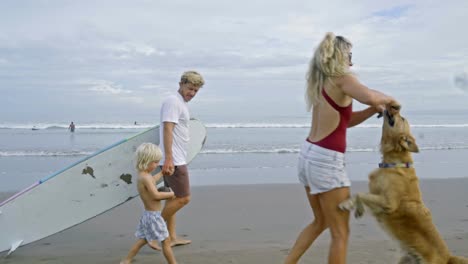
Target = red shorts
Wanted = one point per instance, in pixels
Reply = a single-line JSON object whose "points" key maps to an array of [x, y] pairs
{"points": [[179, 181]]}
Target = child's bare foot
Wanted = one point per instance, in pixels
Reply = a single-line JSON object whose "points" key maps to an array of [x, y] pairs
{"points": [[179, 242], [125, 261], [154, 245]]}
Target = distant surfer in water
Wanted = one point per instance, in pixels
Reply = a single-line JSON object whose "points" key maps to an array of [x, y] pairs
{"points": [[71, 127], [174, 137]]}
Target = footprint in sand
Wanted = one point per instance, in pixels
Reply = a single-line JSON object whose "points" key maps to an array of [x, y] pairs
{"points": [[47, 260]]}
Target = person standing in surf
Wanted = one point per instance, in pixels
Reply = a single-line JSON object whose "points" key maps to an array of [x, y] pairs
{"points": [[331, 89], [174, 138], [152, 228], [71, 127]]}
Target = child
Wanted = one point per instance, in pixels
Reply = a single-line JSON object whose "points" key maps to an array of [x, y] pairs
{"points": [[152, 226]]}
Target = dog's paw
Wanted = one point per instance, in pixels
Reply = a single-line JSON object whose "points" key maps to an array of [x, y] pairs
{"points": [[347, 205], [359, 212]]}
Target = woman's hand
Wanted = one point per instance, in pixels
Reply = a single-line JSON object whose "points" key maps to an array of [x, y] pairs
{"points": [[379, 109]]}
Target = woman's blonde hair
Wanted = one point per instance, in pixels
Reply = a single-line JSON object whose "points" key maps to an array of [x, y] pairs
{"points": [[145, 154], [331, 59], [192, 77]]}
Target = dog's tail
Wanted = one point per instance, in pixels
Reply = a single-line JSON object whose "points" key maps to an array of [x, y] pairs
{"points": [[457, 260]]}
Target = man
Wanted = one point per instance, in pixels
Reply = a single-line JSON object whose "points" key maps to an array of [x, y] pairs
{"points": [[71, 127], [174, 137]]}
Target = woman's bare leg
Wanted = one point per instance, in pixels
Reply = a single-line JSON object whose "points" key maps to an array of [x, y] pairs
{"points": [[338, 222], [310, 232]]}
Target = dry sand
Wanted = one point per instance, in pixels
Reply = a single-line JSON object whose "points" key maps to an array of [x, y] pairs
{"points": [[245, 224]]}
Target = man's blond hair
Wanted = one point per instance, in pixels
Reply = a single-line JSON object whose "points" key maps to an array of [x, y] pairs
{"points": [[192, 77]]}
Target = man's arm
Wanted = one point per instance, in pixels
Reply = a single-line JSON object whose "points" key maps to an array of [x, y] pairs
{"points": [[168, 166]]}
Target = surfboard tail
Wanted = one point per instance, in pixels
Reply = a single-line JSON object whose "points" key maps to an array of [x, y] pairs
{"points": [[14, 246]]}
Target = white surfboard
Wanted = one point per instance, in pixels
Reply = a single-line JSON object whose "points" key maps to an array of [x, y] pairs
{"points": [[81, 191]]}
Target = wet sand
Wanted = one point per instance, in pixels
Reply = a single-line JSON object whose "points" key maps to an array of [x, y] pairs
{"points": [[245, 224]]}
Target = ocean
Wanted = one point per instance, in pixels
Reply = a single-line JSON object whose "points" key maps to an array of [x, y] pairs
{"points": [[236, 151]]}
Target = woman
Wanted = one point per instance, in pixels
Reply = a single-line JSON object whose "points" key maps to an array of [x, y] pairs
{"points": [[331, 89]]}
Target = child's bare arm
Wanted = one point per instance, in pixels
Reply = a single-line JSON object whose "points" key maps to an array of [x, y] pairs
{"points": [[157, 176], [153, 191]]}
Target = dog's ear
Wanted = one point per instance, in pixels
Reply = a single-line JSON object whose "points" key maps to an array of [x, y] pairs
{"points": [[408, 143]]}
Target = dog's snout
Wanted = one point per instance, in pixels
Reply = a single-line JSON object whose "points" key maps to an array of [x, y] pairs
{"points": [[396, 107], [389, 118]]}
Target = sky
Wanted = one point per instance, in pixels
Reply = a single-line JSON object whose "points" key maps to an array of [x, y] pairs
{"points": [[116, 60]]}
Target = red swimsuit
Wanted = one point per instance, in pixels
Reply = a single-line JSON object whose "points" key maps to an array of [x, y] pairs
{"points": [[336, 140]]}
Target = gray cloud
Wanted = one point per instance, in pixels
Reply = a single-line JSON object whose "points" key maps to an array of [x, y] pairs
{"points": [[255, 51]]}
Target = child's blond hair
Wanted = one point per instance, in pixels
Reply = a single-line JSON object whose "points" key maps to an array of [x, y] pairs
{"points": [[146, 153]]}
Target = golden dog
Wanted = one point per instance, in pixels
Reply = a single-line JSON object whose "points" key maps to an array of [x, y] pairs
{"points": [[395, 200]]}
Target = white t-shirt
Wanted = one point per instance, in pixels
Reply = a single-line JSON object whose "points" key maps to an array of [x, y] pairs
{"points": [[175, 110]]}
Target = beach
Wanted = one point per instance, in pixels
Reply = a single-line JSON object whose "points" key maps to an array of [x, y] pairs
{"points": [[256, 223], [247, 205]]}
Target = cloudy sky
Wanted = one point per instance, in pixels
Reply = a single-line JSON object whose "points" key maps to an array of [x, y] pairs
{"points": [[115, 60]]}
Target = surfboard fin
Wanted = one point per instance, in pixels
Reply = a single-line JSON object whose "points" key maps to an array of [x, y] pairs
{"points": [[14, 246]]}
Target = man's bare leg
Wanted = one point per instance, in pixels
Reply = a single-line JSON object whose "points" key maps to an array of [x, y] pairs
{"points": [[169, 214]]}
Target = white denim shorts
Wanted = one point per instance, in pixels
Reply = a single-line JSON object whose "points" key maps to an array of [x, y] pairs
{"points": [[321, 169]]}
